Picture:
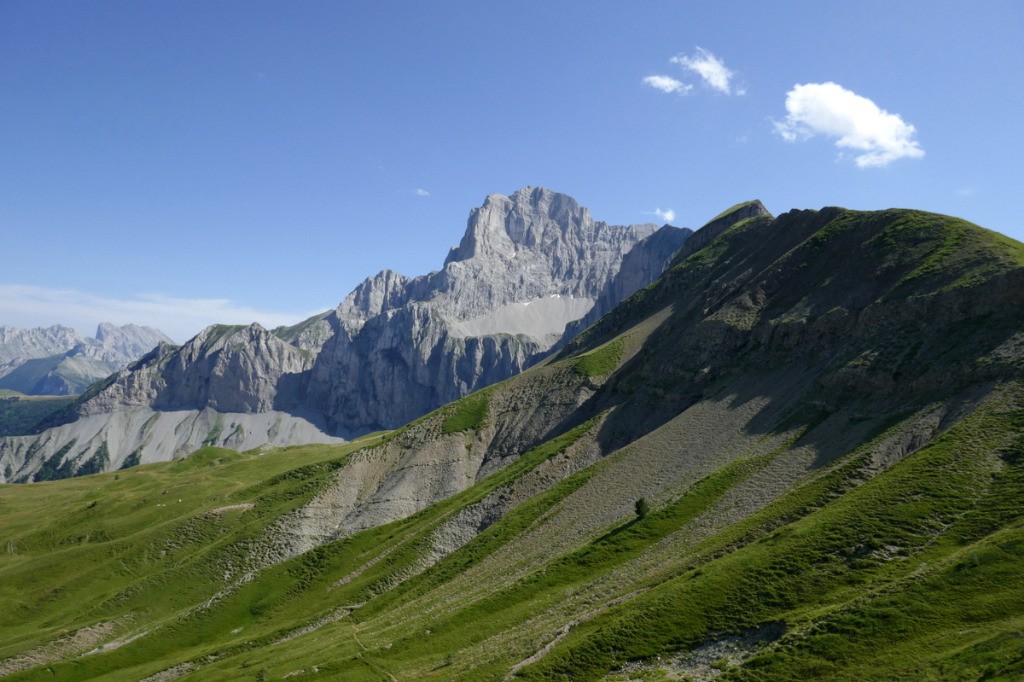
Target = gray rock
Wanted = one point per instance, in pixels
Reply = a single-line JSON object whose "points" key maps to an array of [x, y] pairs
{"points": [[398, 347], [59, 361], [18, 345], [402, 347], [226, 368]]}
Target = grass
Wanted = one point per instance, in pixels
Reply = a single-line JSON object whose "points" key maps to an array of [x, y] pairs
{"points": [[830, 559], [828, 556], [731, 209], [601, 361], [137, 541], [467, 414], [176, 562]]}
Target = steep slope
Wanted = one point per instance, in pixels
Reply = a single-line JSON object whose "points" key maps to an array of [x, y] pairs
{"points": [[824, 413], [59, 361], [394, 349]]}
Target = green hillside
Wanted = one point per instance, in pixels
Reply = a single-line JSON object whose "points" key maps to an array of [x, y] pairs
{"points": [[824, 412], [19, 414]]}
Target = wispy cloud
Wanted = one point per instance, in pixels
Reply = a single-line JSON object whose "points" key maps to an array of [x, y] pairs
{"points": [[420, 192], [710, 68], [667, 84], [666, 216], [179, 318], [855, 122]]}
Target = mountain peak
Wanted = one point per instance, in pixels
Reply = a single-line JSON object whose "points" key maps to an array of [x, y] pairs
{"points": [[722, 222], [504, 224]]}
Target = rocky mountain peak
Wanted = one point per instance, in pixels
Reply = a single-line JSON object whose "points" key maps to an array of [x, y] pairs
{"points": [[58, 360], [531, 218], [384, 291], [130, 340], [528, 264], [396, 347], [18, 345]]}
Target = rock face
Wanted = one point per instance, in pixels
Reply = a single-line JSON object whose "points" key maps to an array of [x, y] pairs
{"points": [[18, 345], [59, 361], [528, 265], [226, 368], [397, 347]]}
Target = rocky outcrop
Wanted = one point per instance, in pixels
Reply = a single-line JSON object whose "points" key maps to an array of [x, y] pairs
{"points": [[126, 343], [528, 265], [226, 368], [18, 345], [722, 222]]}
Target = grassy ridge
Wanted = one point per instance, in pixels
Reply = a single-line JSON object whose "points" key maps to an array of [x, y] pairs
{"points": [[281, 597], [601, 361], [467, 414], [876, 533], [839, 564]]}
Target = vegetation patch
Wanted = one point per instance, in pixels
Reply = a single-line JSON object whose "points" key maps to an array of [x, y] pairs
{"points": [[55, 468], [601, 361], [467, 414], [868, 536], [97, 463], [19, 415], [213, 436]]}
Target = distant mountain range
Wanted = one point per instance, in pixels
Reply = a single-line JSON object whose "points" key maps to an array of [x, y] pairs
{"points": [[529, 267], [59, 361]]}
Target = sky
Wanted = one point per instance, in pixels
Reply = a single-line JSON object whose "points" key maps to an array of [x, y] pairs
{"points": [[178, 164]]}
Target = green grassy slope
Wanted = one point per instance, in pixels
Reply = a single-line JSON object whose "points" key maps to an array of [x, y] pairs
{"points": [[824, 411]]}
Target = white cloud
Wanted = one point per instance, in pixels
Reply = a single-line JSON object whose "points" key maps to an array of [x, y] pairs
{"points": [[855, 122], [420, 192], [710, 68], [179, 318], [667, 84], [666, 216]]}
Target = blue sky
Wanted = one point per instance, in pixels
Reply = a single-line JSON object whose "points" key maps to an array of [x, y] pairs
{"points": [[181, 163]]}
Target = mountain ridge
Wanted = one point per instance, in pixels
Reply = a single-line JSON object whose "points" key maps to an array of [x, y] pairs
{"points": [[823, 413], [396, 347], [58, 360]]}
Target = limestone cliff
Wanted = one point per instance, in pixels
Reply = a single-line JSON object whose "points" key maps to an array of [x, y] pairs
{"points": [[398, 347], [528, 265]]}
